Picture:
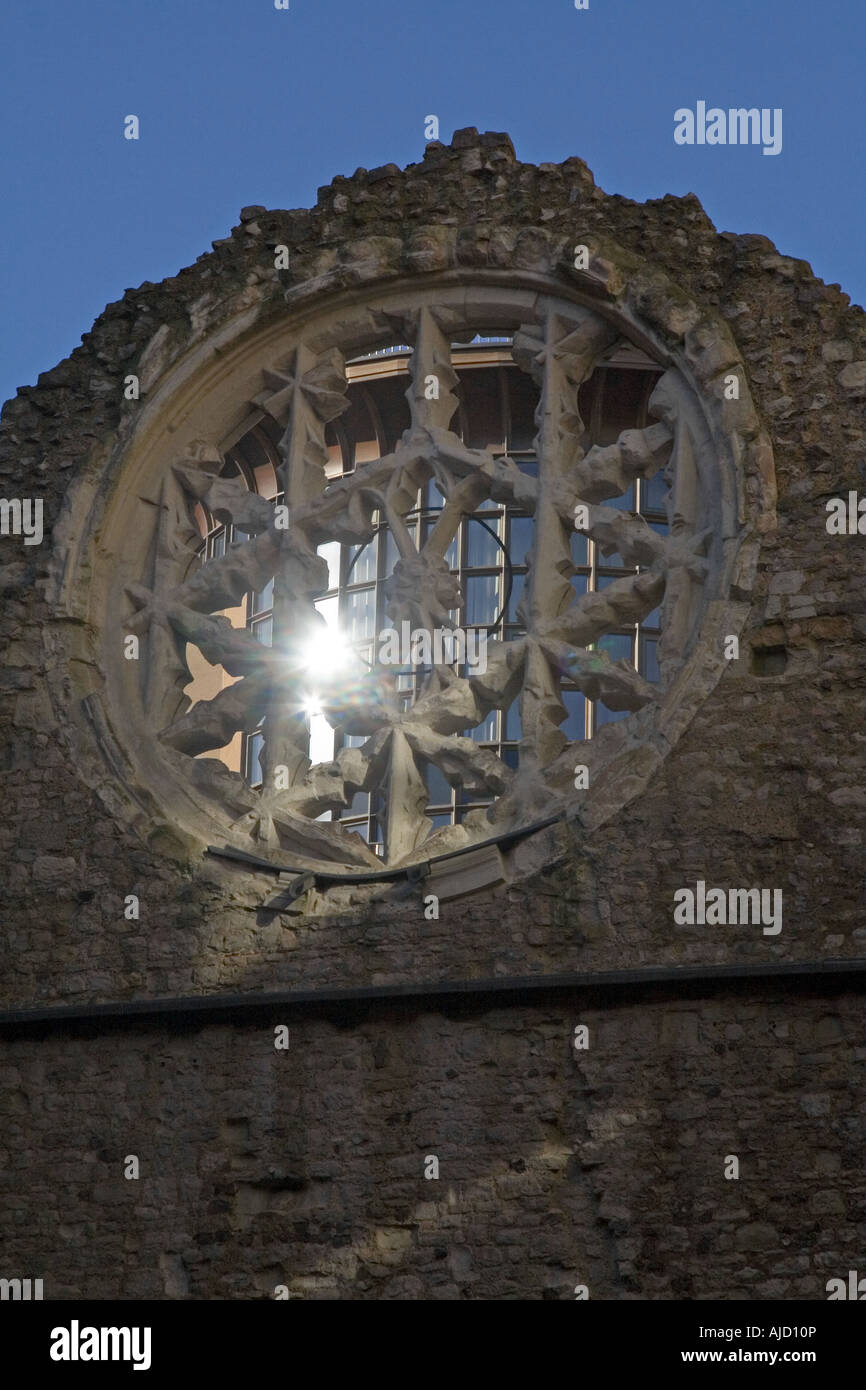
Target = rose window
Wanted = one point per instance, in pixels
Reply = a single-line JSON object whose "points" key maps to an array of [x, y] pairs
{"points": [[435, 593]]}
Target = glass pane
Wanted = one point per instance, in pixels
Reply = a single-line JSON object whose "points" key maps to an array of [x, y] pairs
{"points": [[329, 609], [511, 757], [255, 744], [482, 549], [528, 466], [653, 619], [452, 554], [481, 599], [653, 493], [321, 739], [513, 727], [580, 584], [521, 530], [218, 545], [440, 819], [438, 786], [649, 665], [392, 554], [263, 600], [485, 732], [517, 587], [360, 614], [573, 726], [331, 553], [625, 502], [359, 805], [434, 498], [618, 645], [354, 741], [263, 631], [364, 567], [579, 548]]}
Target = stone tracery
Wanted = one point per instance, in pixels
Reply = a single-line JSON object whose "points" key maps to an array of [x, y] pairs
{"points": [[559, 351]]}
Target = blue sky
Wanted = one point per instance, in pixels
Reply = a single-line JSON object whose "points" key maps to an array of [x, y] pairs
{"points": [[240, 103]]}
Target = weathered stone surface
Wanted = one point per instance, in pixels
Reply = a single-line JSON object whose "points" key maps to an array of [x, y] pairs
{"points": [[853, 378], [307, 1169]]}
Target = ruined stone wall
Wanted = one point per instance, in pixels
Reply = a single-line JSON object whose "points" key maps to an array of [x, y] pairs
{"points": [[553, 1170], [306, 1168]]}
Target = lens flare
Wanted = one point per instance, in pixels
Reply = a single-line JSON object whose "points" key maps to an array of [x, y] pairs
{"points": [[327, 654]]}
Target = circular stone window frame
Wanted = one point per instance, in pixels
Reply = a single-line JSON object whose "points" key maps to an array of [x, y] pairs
{"points": [[200, 399]]}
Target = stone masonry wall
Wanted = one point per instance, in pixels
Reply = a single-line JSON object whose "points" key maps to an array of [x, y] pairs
{"points": [[554, 1171], [305, 1168]]}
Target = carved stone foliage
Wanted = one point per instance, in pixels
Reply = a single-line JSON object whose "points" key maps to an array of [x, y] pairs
{"points": [[691, 573]]}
